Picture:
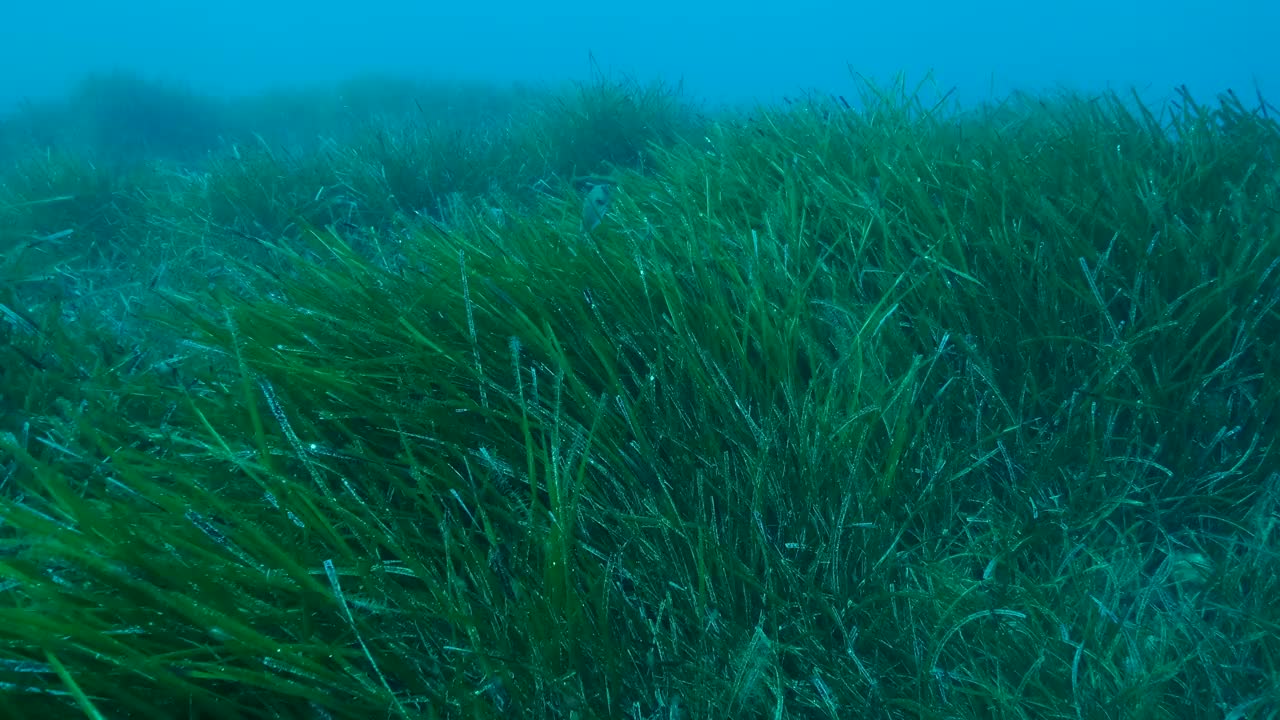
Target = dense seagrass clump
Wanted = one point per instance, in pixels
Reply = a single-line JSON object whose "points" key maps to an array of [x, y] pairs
{"points": [[887, 411]]}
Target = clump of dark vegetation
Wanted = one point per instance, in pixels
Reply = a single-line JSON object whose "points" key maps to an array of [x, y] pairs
{"points": [[896, 412]]}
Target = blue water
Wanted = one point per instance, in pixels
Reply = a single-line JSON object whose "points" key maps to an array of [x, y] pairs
{"points": [[721, 50]]}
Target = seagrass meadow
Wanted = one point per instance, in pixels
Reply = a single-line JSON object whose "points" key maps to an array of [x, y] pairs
{"points": [[596, 403]]}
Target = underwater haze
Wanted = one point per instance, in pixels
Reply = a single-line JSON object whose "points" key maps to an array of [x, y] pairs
{"points": [[721, 50]]}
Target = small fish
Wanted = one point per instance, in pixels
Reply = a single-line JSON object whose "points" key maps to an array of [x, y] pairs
{"points": [[595, 206]]}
